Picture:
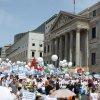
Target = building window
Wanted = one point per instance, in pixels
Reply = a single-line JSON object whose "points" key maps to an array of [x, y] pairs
{"points": [[93, 32], [93, 58], [45, 38], [40, 54], [26, 53], [33, 44], [48, 48], [33, 53], [94, 13], [3, 52], [45, 49], [40, 45]]}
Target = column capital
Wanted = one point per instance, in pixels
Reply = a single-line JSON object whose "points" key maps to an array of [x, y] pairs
{"points": [[78, 30], [71, 31], [87, 29]]}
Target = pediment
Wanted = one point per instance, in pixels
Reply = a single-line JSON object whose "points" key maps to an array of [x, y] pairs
{"points": [[62, 19]]}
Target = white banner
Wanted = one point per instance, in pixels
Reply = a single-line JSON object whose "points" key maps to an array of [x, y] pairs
{"points": [[22, 76], [28, 96]]}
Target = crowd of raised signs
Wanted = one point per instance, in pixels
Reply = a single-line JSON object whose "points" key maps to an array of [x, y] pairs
{"points": [[37, 81]]}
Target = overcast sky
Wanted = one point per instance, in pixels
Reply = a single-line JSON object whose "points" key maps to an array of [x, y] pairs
{"points": [[18, 16]]}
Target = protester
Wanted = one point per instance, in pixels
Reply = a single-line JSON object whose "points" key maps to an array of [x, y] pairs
{"points": [[93, 95], [14, 86], [19, 93], [48, 87], [57, 85], [45, 83], [70, 86]]}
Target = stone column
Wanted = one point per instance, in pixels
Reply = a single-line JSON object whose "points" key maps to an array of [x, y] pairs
{"points": [[53, 46], [71, 46], [66, 46], [56, 46], [52, 49], [86, 47], [56, 50], [78, 47], [60, 48]]}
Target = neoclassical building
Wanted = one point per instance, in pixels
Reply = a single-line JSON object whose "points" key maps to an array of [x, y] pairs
{"points": [[75, 37]]}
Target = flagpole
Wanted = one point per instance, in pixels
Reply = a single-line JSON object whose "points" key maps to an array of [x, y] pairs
{"points": [[74, 6]]}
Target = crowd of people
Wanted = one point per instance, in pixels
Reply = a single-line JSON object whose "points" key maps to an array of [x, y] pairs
{"points": [[40, 81], [45, 84]]}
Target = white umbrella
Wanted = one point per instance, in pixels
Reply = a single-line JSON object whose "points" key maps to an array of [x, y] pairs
{"points": [[62, 93], [5, 94]]}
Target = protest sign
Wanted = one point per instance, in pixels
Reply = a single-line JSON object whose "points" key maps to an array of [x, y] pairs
{"points": [[28, 96], [22, 76]]}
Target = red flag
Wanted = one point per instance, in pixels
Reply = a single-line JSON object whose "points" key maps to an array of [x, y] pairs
{"points": [[33, 64]]}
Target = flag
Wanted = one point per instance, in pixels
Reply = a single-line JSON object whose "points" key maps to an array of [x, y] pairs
{"points": [[33, 64]]}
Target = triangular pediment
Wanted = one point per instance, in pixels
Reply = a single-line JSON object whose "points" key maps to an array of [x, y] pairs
{"points": [[62, 19]]}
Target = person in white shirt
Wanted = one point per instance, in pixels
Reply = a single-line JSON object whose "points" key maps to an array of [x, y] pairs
{"points": [[93, 95]]}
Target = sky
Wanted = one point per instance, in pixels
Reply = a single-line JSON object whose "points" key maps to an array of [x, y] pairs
{"points": [[17, 16]]}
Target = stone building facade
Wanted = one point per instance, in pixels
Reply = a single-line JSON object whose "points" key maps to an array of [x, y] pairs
{"points": [[75, 38], [47, 46], [27, 47], [3, 51]]}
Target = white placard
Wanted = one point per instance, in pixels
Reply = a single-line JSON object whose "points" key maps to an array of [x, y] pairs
{"points": [[28, 96], [22, 76], [21, 68]]}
